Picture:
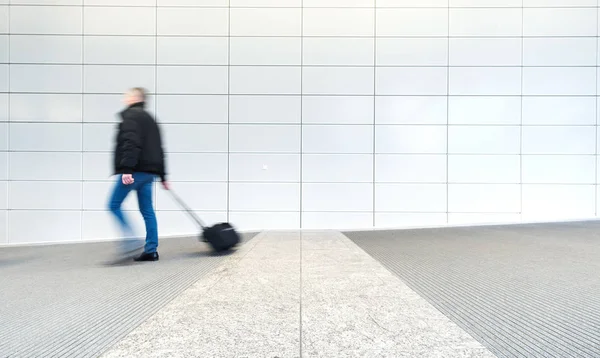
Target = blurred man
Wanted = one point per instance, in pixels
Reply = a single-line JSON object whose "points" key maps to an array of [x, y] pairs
{"points": [[138, 160]]}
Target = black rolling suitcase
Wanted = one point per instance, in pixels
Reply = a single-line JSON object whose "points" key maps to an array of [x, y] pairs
{"points": [[221, 237]]}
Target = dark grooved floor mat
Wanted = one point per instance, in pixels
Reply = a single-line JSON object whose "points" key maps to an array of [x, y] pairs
{"points": [[66, 301], [522, 291]]}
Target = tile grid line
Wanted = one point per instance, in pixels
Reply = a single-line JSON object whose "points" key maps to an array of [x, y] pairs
{"points": [[155, 186], [301, 179], [8, 157], [521, 116], [228, 106], [81, 162], [596, 159], [300, 214], [374, 112], [448, 118]]}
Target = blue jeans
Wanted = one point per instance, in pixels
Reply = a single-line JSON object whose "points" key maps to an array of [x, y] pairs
{"points": [[143, 186]]}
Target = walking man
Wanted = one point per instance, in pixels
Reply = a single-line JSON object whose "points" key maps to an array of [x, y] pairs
{"points": [[138, 160]]}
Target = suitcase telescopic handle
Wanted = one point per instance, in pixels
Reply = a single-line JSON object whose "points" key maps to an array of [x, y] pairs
{"points": [[186, 208]]}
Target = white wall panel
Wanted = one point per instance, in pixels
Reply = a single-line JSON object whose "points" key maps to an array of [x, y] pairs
{"points": [[3, 165], [554, 169], [126, 50], [40, 49], [117, 20], [337, 110], [338, 51], [264, 196], [4, 45], [265, 51], [485, 3], [192, 21], [484, 198], [357, 139], [337, 80], [4, 224], [45, 137], [411, 81], [338, 3], [97, 166], [182, 50], [412, 22], [482, 219], [486, 22], [265, 109], [4, 103], [56, 195], [559, 22], [348, 22], [117, 79], [265, 22], [336, 197], [410, 139], [412, 3], [265, 80], [412, 51], [195, 138], [264, 168], [406, 168], [484, 140], [265, 3], [46, 166], [405, 220], [559, 110], [339, 221], [45, 107], [199, 196], [4, 204], [559, 81], [485, 51], [559, 51], [51, 226], [196, 166], [559, 140], [264, 138], [4, 75], [184, 108], [411, 109], [484, 110], [485, 80], [561, 3], [484, 169], [410, 197], [337, 168], [556, 202], [44, 78], [40, 20], [99, 137], [191, 79], [265, 220], [4, 16]]}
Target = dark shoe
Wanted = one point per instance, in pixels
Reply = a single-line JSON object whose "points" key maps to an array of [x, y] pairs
{"points": [[147, 257]]}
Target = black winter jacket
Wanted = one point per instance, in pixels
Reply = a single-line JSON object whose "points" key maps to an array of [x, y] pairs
{"points": [[138, 143]]}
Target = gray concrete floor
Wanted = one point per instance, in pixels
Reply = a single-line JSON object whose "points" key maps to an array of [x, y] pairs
{"points": [[506, 291]]}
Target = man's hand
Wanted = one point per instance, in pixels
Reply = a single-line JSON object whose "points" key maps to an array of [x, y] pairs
{"points": [[127, 179], [166, 185]]}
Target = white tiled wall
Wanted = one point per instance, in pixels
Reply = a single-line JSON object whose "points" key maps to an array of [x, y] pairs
{"points": [[280, 114]]}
